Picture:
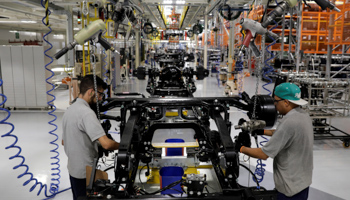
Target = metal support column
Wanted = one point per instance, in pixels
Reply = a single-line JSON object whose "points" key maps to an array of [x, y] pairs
{"points": [[138, 48], [205, 40], [69, 37], [298, 29], [196, 50], [69, 33], [290, 57], [231, 46], [282, 42], [329, 48]]}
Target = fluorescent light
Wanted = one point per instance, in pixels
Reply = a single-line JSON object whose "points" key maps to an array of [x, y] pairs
{"points": [[29, 33], [76, 29], [28, 22], [180, 2], [13, 31], [167, 2], [60, 69], [58, 36], [21, 21]]}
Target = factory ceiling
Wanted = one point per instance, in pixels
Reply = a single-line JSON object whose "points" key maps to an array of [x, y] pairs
{"points": [[27, 15]]}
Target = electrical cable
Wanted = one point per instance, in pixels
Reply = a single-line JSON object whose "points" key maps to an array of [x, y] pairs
{"points": [[140, 173], [250, 171], [164, 188]]}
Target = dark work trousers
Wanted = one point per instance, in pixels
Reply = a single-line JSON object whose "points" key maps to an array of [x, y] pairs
{"points": [[303, 195], [78, 187]]}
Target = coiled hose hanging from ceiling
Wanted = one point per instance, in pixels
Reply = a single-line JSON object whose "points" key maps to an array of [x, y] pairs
{"points": [[54, 186], [259, 170]]}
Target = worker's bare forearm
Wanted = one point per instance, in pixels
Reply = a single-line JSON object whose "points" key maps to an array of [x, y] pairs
{"points": [[114, 146], [108, 144], [254, 152], [269, 132]]}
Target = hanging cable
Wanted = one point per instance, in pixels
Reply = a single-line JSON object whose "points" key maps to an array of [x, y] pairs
{"points": [[104, 67], [260, 171], [54, 186], [269, 68], [56, 169], [239, 65]]}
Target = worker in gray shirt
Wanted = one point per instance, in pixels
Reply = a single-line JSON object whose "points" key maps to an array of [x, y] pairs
{"points": [[291, 145], [81, 133]]}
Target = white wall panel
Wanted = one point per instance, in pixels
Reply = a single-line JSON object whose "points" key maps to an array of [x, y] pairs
{"points": [[40, 77], [18, 76], [6, 75], [23, 73], [29, 76]]}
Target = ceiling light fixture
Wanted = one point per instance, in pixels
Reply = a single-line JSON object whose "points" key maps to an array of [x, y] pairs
{"points": [[28, 22], [10, 22]]}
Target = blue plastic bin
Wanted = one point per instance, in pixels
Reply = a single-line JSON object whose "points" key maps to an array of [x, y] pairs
{"points": [[174, 151], [169, 175]]}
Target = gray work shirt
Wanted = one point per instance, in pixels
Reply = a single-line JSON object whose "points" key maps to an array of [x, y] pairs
{"points": [[291, 146], [81, 129]]}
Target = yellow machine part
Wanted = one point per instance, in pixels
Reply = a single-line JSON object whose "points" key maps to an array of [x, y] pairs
{"points": [[175, 113], [154, 177]]}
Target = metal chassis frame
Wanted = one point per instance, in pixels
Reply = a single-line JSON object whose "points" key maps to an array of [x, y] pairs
{"points": [[137, 133]]}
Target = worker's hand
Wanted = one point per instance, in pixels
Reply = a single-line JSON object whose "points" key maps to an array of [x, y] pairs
{"points": [[258, 132], [243, 139]]}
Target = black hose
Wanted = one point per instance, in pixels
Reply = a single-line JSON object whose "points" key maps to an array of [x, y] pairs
{"points": [[251, 173]]}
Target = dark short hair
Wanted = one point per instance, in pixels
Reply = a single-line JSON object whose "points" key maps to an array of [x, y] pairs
{"points": [[88, 82]]}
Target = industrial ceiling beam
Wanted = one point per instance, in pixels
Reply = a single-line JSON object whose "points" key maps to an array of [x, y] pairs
{"points": [[137, 5], [193, 16], [159, 24], [38, 3], [212, 5], [201, 2], [14, 7]]}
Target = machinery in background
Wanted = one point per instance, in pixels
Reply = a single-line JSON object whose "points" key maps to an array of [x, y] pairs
{"points": [[92, 32], [326, 99], [173, 78], [252, 28], [144, 120]]}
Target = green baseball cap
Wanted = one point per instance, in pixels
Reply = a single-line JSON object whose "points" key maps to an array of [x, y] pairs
{"points": [[290, 92]]}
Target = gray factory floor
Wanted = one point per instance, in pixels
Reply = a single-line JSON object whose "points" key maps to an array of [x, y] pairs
{"points": [[331, 160]]}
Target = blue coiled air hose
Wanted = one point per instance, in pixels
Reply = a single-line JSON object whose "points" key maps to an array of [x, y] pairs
{"points": [[54, 186], [56, 169], [269, 67], [259, 170]]}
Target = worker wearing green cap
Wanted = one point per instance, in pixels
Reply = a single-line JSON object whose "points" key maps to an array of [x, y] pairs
{"points": [[291, 145]]}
